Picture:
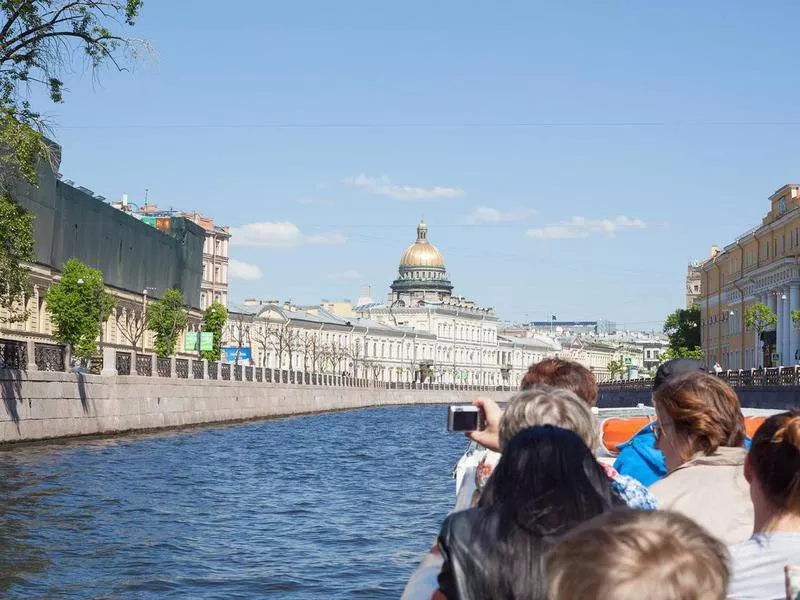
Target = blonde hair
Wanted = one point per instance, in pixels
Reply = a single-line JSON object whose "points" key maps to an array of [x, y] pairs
{"points": [[544, 404], [629, 555]]}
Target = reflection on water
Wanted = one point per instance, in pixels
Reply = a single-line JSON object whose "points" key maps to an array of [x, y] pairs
{"points": [[328, 506]]}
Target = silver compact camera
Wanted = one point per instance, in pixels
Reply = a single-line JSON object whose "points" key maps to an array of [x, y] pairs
{"points": [[465, 417]]}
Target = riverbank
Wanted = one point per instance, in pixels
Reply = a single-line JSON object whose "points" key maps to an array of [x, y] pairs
{"points": [[48, 405]]}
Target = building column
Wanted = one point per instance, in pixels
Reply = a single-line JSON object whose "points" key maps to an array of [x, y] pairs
{"points": [[794, 338], [787, 358], [779, 307]]}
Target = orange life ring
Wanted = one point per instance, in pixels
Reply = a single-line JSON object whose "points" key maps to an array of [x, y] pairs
{"points": [[615, 431]]}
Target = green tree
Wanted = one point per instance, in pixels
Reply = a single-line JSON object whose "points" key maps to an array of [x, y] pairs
{"points": [[16, 248], [77, 304], [796, 319], [759, 317], [166, 318], [39, 40], [615, 367], [683, 328], [213, 321], [683, 352]]}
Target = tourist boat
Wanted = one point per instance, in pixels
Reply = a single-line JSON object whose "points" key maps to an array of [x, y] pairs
{"points": [[617, 426]]}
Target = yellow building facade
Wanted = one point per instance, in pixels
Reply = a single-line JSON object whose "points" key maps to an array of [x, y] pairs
{"points": [[761, 266]]}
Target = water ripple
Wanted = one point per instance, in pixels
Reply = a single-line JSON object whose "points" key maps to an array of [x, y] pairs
{"points": [[340, 505]]}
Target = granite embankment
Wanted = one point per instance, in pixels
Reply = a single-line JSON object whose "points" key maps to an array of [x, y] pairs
{"points": [[42, 405]]}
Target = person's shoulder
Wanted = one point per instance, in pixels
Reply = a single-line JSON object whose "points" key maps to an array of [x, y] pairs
{"points": [[633, 492], [458, 522]]}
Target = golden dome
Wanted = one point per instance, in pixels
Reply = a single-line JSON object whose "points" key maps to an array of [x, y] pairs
{"points": [[422, 253]]}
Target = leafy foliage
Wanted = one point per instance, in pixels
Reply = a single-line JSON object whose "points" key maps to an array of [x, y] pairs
{"points": [[38, 41], [796, 319], [75, 305], [759, 317], [683, 328], [695, 353], [615, 366], [16, 247], [39, 38], [166, 318], [214, 320]]}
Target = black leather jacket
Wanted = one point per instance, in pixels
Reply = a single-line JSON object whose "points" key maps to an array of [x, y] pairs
{"points": [[466, 555]]}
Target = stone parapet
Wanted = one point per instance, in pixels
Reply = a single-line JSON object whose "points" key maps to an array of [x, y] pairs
{"points": [[40, 404]]}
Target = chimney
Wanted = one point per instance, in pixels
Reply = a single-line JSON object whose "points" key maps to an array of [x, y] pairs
{"points": [[124, 200]]}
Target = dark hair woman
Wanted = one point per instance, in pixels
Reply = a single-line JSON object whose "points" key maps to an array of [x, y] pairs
{"points": [[547, 481], [773, 470]]}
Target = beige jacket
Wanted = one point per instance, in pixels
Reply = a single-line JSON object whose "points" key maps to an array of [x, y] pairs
{"points": [[712, 491]]}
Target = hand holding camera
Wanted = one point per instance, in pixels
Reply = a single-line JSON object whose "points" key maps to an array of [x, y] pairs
{"points": [[480, 422]]}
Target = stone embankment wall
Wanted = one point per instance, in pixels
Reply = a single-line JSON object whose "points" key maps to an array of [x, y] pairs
{"points": [[42, 405]]}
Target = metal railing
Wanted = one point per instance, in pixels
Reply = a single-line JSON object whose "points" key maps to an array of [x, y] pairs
{"points": [[164, 367], [123, 363], [13, 355], [144, 365], [225, 369], [771, 377], [213, 370], [182, 368], [197, 369]]}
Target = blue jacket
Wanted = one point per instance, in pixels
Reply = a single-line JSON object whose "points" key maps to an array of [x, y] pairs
{"points": [[638, 457]]}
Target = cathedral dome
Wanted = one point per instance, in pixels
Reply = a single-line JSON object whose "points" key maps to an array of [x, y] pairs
{"points": [[421, 253]]}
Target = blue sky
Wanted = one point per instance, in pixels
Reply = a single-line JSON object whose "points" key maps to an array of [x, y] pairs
{"points": [[570, 158]]}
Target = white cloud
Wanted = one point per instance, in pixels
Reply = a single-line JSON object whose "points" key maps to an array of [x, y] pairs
{"points": [[383, 186], [580, 227], [327, 239], [280, 234], [348, 275], [486, 214], [242, 270], [312, 201]]}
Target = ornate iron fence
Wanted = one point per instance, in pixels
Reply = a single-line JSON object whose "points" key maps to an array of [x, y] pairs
{"points": [[248, 373], [13, 355], [96, 365], [197, 369], [144, 365], [182, 368], [164, 367], [772, 377], [123, 363], [213, 370], [49, 357], [237, 372], [226, 371]]}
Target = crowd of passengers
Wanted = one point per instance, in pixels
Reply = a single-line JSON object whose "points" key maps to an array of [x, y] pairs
{"points": [[690, 509]]}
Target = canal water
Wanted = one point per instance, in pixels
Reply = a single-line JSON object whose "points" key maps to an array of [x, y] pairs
{"points": [[339, 505]]}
